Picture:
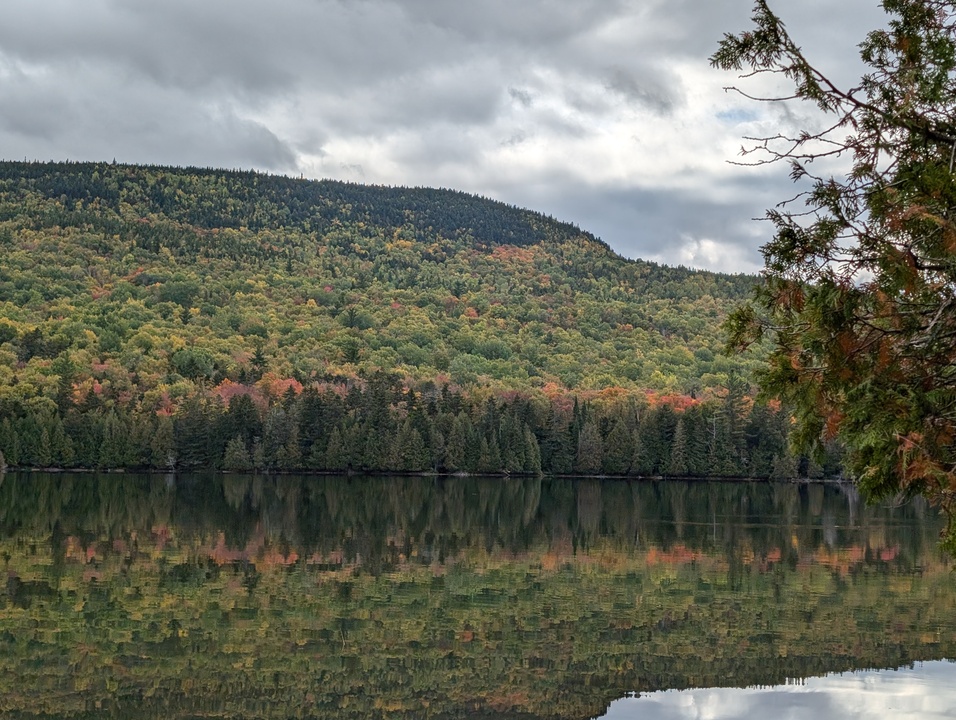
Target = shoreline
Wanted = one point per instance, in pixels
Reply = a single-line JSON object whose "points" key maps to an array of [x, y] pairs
{"points": [[429, 474]]}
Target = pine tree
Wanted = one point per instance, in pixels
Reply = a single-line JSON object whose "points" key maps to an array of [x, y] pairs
{"points": [[511, 443], [557, 448], [410, 452]]}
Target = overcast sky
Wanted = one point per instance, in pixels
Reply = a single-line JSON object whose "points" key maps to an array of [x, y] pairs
{"points": [[604, 113]]}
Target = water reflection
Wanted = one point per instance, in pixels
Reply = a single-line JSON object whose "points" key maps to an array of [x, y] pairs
{"points": [[249, 596], [923, 692]]}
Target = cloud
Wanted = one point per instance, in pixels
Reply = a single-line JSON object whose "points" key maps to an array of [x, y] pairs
{"points": [[601, 112]]}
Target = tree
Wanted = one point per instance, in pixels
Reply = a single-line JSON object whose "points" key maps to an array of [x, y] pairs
{"points": [[678, 461], [618, 448], [163, 444], [859, 291], [237, 455], [590, 448]]}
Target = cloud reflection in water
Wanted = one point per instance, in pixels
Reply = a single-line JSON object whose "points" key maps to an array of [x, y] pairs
{"points": [[925, 691]]}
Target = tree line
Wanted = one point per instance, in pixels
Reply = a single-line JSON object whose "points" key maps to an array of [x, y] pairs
{"points": [[381, 425]]}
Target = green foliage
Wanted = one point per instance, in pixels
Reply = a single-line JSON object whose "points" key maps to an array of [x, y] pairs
{"points": [[860, 283], [134, 274], [249, 596], [150, 320]]}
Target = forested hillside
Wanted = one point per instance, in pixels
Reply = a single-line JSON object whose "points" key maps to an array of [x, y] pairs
{"points": [[136, 302]]}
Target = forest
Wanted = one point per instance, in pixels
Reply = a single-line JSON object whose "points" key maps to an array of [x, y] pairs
{"points": [[187, 318]]}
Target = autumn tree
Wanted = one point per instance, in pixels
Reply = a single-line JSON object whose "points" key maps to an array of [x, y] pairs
{"points": [[859, 291]]}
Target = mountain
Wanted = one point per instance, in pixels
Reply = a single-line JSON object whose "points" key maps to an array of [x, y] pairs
{"points": [[128, 266], [153, 292]]}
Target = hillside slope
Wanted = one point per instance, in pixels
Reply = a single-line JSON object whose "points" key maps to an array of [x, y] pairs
{"points": [[152, 272], [182, 318]]}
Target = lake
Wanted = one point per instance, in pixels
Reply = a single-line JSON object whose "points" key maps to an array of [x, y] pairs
{"points": [[135, 596]]}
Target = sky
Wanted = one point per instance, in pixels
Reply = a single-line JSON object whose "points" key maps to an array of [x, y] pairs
{"points": [[603, 113]]}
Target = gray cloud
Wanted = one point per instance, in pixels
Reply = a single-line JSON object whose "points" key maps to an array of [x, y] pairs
{"points": [[643, 88], [600, 112]]}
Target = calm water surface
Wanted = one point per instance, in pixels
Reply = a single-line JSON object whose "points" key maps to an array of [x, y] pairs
{"points": [[240, 596]]}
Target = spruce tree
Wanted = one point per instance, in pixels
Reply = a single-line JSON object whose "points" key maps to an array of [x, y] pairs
{"points": [[590, 448], [678, 465]]}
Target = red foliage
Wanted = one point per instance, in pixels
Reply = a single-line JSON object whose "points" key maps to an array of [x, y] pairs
{"points": [[676, 401], [274, 386]]}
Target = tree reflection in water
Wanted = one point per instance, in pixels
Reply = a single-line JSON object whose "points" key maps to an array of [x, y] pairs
{"points": [[251, 596]]}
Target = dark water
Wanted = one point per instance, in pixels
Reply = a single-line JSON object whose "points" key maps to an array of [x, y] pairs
{"points": [[240, 596]]}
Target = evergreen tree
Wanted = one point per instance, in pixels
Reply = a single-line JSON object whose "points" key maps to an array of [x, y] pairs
{"points": [[35, 446], [455, 448], [489, 457], [784, 467], [410, 450], [532, 452], [511, 442], [162, 446], [9, 442], [289, 455], [192, 427], [116, 450], [557, 450], [590, 448], [618, 449], [63, 453], [695, 428], [640, 463], [860, 280], [678, 465], [237, 455], [336, 456]]}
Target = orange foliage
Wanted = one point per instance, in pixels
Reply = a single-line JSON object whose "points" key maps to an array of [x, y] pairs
{"points": [[676, 401], [834, 420], [274, 386]]}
